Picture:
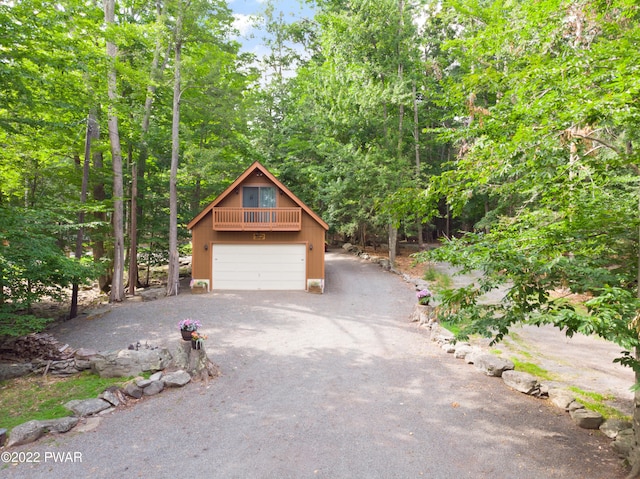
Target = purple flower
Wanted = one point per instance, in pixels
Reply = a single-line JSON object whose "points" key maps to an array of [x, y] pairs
{"points": [[425, 293], [189, 324]]}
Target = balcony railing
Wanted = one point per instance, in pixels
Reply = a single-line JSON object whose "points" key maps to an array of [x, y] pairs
{"points": [[257, 219]]}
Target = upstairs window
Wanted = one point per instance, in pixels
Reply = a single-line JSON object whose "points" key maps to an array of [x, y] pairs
{"points": [[258, 197]]}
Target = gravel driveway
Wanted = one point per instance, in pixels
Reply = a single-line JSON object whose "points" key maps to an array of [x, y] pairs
{"points": [[338, 385]]}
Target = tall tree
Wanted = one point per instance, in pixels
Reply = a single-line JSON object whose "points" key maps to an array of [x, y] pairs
{"points": [[117, 282], [173, 279]]}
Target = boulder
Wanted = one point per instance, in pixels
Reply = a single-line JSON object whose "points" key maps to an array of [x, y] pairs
{"points": [[471, 357], [85, 354], [153, 388], [521, 381], [492, 365], [574, 406], [3, 436], [14, 370], [128, 362], [133, 390], [25, 433], [63, 424], [561, 398], [612, 427], [112, 395], [176, 379], [462, 350], [87, 407], [448, 347], [624, 442], [587, 419]]}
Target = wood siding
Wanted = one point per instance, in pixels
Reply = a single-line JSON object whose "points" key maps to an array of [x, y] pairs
{"points": [[204, 234]]}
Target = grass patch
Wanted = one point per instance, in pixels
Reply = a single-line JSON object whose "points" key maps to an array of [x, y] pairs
{"points": [[439, 280], [35, 397], [596, 402], [532, 369], [454, 326]]}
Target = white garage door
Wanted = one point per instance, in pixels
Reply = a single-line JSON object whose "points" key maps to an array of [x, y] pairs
{"points": [[253, 267]]}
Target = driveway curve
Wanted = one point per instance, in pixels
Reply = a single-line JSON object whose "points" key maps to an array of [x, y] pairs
{"points": [[339, 385]]}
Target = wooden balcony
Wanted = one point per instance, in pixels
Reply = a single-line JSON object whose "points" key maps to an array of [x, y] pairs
{"points": [[257, 219]]}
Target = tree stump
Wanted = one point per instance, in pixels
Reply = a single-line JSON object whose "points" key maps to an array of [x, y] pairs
{"points": [[194, 361], [424, 314]]}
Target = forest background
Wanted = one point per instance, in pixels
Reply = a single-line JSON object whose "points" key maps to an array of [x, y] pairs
{"points": [[509, 128]]}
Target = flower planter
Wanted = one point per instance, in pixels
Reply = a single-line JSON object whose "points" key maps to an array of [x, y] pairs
{"points": [[199, 290], [196, 344], [186, 335]]}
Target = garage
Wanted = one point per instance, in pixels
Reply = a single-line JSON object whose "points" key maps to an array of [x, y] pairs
{"points": [[259, 267]]}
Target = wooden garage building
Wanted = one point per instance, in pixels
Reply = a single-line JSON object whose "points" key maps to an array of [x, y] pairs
{"points": [[258, 235]]}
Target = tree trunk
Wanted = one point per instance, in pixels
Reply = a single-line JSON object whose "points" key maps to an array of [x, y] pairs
{"points": [[133, 233], [194, 361], [90, 135], [117, 282], [173, 278], [393, 244], [416, 141], [634, 458]]}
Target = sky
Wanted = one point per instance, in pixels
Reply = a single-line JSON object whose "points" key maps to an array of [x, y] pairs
{"points": [[251, 37]]}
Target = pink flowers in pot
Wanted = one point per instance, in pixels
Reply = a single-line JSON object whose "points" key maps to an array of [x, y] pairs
{"points": [[424, 296], [189, 324]]}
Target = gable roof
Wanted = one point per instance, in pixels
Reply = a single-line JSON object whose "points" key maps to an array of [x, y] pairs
{"points": [[248, 172]]}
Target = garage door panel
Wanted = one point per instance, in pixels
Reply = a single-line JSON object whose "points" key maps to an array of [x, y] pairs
{"points": [[259, 267]]}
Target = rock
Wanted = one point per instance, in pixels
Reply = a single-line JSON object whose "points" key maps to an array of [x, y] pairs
{"points": [[63, 424], [25, 433], [143, 383], [347, 247], [156, 376], [462, 350], [111, 396], [87, 407], [82, 364], [587, 419], [574, 406], [176, 379], [154, 388], [127, 362], [612, 427], [152, 294], [85, 354], [471, 357], [385, 264], [14, 370], [3, 436], [624, 442], [521, 381], [492, 365], [133, 390], [448, 347], [561, 398], [442, 335], [89, 424]]}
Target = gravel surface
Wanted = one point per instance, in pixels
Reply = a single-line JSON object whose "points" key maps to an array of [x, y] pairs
{"points": [[339, 385], [584, 362]]}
